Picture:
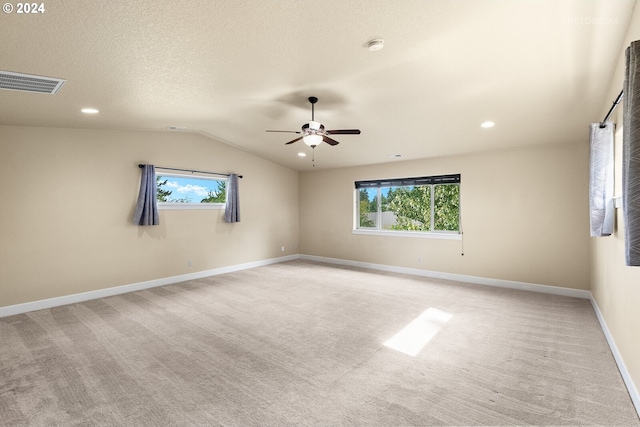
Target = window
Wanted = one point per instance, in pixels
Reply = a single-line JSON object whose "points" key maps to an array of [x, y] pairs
{"points": [[425, 205], [175, 191]]}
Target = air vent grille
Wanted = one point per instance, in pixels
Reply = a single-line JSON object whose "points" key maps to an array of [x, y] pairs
{"points": [[29, 83]]}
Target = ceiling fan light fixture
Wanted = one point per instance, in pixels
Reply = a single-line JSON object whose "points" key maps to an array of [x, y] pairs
{"points": [[312, 140]]}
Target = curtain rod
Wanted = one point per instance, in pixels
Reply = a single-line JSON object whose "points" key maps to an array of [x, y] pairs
{"points": [[613, 107], [190, 170]]}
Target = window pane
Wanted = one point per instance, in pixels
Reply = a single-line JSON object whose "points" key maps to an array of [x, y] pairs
{"points": [[409, 207], [388, 217], [368, 208], [182, 189], [446, 207]]}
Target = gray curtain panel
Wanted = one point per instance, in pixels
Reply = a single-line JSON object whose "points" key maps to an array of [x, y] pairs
{"points": [[631, 155], [147, 206], [601, 209], [232, 208]]}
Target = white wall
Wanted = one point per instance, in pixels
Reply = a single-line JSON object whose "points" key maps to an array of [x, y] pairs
{"points": [[524, 215], [68, 198]]}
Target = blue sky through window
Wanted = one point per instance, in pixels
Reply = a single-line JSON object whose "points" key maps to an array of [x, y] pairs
{"points": [[373, 192], [188, 189]]}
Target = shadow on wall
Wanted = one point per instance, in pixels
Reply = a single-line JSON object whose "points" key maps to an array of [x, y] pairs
{"points": [[156, 232]]}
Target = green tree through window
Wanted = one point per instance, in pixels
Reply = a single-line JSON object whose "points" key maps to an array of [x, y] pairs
{"points": [[368, 209], [218, 196], [424, 204], [161, 193], [446, 207], [411, 207]]}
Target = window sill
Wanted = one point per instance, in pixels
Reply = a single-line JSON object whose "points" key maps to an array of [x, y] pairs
{"points": [[190, 206], [419, 234]]}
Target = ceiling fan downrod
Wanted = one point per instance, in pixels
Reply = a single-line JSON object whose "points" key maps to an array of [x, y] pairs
{"points": [[313, 100]]}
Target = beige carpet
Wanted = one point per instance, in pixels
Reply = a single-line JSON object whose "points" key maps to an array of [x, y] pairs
{"points": [[301, 343]]}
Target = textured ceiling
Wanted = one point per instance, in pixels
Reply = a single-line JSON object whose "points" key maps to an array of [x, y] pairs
{"points": [[230, 69]]}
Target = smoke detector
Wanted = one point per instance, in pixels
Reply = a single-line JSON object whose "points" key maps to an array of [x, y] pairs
{"points": [[375, 44]]}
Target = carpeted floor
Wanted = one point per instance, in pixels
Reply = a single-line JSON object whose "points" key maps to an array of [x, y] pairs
{"points": [[301, 343]]}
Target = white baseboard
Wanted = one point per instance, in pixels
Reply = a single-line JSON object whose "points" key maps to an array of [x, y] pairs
{"points": [[631, 387], [569, 292], [117, 290], [101, 293]]}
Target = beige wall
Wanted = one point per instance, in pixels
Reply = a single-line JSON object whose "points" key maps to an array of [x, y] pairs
{"points": [[616, 287], [524, 214], [68, 198]]}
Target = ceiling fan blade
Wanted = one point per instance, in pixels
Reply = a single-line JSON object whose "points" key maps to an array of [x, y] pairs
{"points": [[286, 131], [343, 132], [291, 142], [329, 140]]}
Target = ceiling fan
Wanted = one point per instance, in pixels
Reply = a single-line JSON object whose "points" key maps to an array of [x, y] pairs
{"points": [[313, 133]]}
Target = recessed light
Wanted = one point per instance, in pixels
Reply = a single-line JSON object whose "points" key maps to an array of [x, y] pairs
{"points": [[375, 44], [302, 154], [395, 156], [488, 124], [90, 111]]}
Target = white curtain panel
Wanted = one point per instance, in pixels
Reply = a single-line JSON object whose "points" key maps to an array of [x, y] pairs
{"points": [[601, 208]]}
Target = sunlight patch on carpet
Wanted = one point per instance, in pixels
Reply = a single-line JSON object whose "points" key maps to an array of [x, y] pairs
{"points": [[413, 337]]}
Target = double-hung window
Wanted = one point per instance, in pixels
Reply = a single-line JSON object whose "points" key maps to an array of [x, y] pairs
{"points": [[425, 205]]}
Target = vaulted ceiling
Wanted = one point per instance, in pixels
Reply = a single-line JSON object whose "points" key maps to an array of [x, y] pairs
{"points": [[231, 69]]}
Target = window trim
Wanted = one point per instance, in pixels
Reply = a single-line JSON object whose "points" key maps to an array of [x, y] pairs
{"points": [[168, 206], [405, 182], [432, 181], [442, 235]]}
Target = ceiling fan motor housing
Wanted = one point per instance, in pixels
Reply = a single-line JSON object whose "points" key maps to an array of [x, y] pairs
{"points": [[312, 127]]}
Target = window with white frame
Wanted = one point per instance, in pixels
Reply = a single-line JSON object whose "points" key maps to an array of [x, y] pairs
{"points": [[176, 191], [428, 204]]}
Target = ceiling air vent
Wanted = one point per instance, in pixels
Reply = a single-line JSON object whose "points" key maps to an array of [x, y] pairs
{"points": [[29, 83]]}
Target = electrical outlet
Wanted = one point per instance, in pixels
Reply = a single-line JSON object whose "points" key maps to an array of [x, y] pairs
{"points": [[420, 260], [282, 249], [190, 263]]}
